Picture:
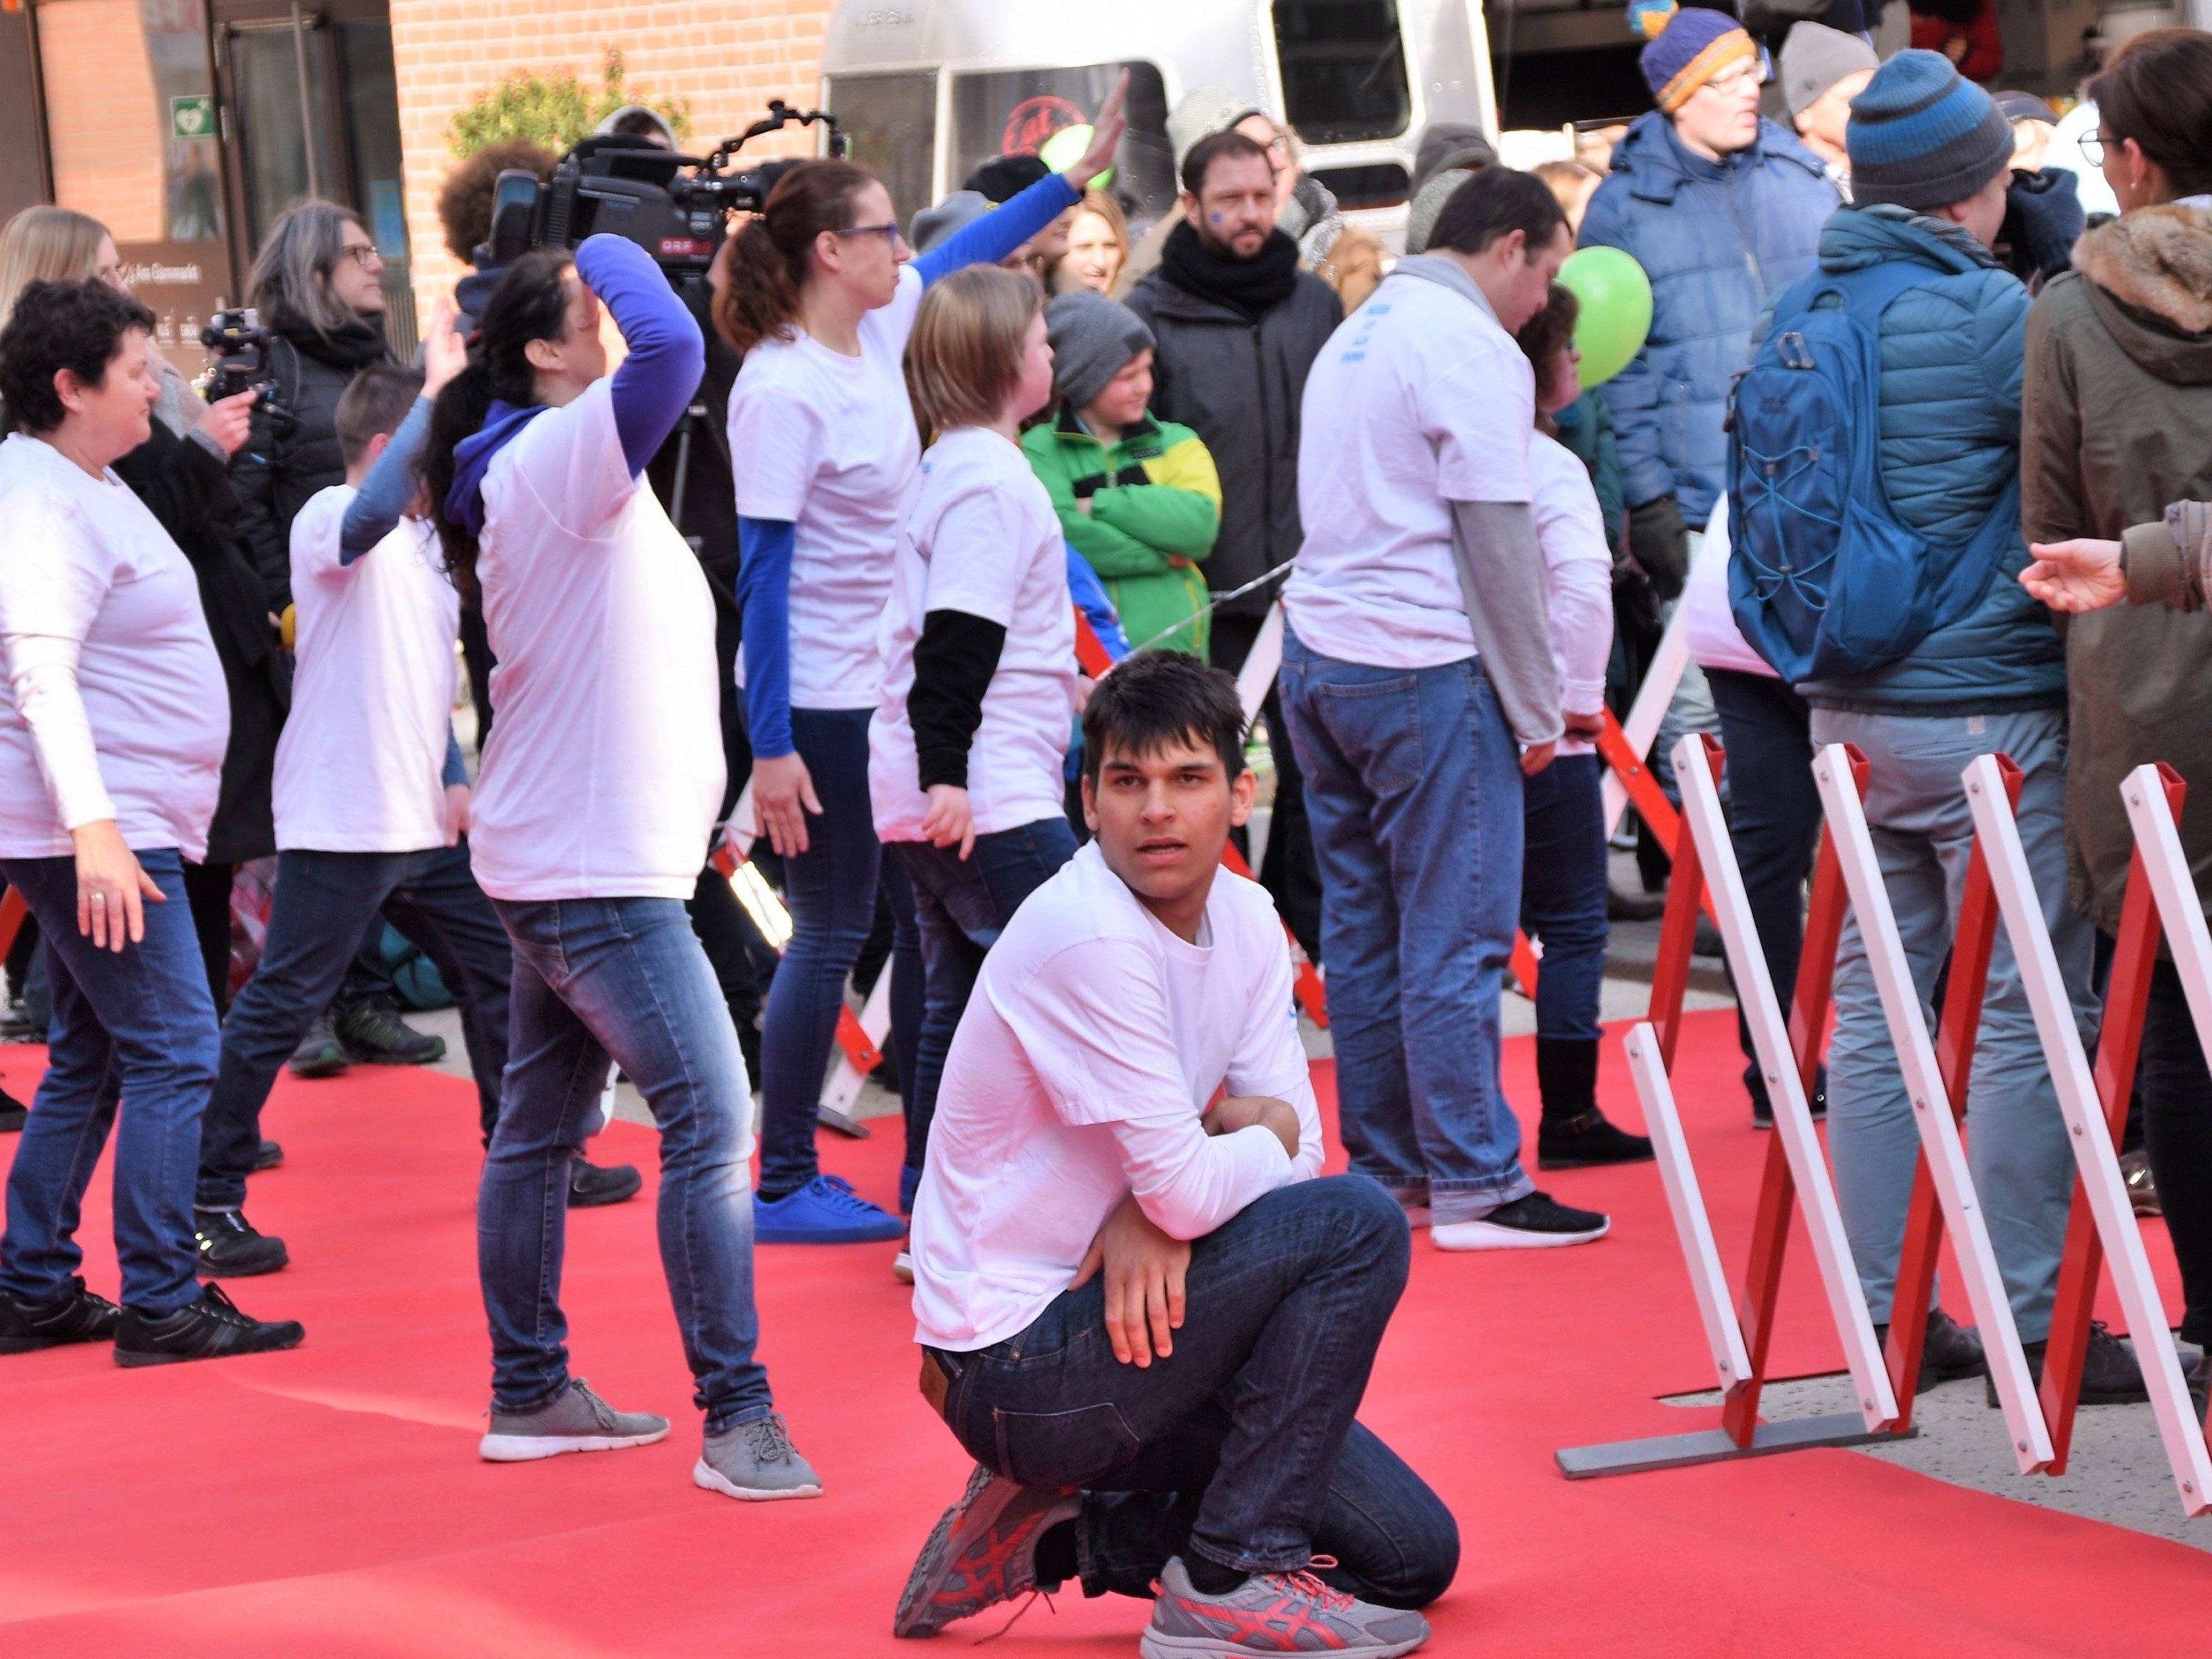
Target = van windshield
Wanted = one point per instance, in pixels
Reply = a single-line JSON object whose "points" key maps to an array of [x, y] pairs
{"points": [[1017, 112], [1343, 69]]}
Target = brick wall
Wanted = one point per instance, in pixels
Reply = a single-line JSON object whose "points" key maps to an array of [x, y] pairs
{"points": [[105, 123], [727, 57]]}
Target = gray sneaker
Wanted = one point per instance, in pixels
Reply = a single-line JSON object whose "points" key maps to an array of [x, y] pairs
{"points": [[1273, 1613], [756, 1463], [577, 1421]]}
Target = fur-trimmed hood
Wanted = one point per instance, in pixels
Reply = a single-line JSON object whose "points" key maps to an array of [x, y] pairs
{"points": [[2157, 262]]}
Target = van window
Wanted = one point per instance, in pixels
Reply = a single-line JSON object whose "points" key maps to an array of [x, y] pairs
{"points": [[1015, 113], [1343, 69], [890, 124]]}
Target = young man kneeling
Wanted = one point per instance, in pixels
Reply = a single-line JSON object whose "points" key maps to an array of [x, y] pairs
{"points": [[1139, 1311]]}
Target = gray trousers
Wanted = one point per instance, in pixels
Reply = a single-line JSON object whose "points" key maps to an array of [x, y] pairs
{"points": [[2016, 1145]]}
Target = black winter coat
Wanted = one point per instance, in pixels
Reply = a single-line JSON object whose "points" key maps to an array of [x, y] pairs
{"points": [[187, 489], [292, 450], [1238, 385]]}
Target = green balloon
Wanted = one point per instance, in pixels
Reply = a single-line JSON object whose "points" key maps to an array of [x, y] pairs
{"points": [[1065, 148], [1616, 310]]}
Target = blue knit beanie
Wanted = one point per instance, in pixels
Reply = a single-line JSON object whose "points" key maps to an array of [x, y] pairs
{"points": [[1692, 45], [1922, 137]]}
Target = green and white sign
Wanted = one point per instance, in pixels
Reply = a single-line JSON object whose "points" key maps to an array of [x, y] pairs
{"points": [[192, 116]]}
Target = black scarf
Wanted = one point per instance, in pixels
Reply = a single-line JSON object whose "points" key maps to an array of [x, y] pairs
{"points": [[1255, 286], [353, 345]]}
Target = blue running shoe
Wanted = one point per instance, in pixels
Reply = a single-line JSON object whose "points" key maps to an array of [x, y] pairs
{"points": [[825, 1211]]}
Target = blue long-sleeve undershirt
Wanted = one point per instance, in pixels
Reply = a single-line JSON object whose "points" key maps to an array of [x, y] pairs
{"points": [[764, 551], [991, 237], [456, 769], [376, 508], [667, 356]]}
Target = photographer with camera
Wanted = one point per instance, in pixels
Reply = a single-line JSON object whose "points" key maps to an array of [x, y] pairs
{"points": [[821, 300], [181, 472]]}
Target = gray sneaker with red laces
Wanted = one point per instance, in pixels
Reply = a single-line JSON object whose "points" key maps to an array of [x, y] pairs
{"points": [[1273, 1612], [983, 1551]]}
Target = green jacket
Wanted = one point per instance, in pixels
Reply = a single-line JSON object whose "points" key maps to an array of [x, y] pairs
{"points": [[1153, 497]]}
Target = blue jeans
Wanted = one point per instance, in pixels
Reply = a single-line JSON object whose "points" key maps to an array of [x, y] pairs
{"points": [[137, 1022], [2016, 1143], [1414, 785], [624, 978], [960, 908], [322, 903], [831, 890], [1241, 1444], [1563, 894]]}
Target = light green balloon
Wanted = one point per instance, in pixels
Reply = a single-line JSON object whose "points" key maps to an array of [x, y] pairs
{"points": [[1065, 148], [1616, 310]]}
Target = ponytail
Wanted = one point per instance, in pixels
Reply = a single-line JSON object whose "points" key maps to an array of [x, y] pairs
{"points": [[769, 259], [530, 303]]}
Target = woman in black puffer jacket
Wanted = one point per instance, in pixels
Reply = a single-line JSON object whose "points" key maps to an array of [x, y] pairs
{"points": [[315, 285]]}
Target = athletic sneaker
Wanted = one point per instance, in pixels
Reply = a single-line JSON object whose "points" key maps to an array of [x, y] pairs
{"points": [[212, 1327], [79, 1316], [981, 1552], [1533, 1223], [756, 1463], [825, 1211], [2109, 1375], [1273, 1613], [591, 1186], [1948, 1352], [319, 1054], [903, 1267], [577, 1421], [373, 1033], [230, 1248]]}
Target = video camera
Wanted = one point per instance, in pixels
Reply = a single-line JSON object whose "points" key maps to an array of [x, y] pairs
{"points": [[238, 345], [675, 207]]}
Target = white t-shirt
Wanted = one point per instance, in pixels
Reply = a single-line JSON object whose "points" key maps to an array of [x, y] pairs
{"points": [[1419, 399], [1094, 1041], [981, 539], [117, 709], [826, 443], [605, 770], [360, 766], [1708, 622], [1577, 576]]}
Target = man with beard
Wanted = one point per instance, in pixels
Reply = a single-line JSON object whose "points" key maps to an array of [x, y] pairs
{"points": [[1236, 325]]}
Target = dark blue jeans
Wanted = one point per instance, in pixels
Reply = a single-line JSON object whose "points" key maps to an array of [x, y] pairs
{"points": [[1414, 785], [137, 1022], [1563, 894], [624, 978], [322, 902], [831, 890], [1241, 1444], [962, 907]]}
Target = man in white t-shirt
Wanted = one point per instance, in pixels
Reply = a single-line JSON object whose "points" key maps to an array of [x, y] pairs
{"points": [[1416, 664], [1139, 1309]]}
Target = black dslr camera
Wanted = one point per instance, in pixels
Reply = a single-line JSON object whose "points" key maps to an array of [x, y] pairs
{"points": [[675, 207], [240, 346]]}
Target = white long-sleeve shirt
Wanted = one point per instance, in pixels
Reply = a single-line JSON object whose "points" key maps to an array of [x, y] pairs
{"points": [[1094, 1041], [118, 708], [1578, 576]]}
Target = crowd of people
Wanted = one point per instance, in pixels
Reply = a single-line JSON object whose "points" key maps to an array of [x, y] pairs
{"points": [[1142, 1308]]}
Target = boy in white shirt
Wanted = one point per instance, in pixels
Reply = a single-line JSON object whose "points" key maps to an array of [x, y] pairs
{"points": [[1140, 1311], [370, 796]]}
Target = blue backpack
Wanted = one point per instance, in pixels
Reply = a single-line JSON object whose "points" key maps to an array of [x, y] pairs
{"points": [[1824, 581]]}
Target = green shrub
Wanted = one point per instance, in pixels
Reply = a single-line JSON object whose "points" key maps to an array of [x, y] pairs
{"points": [[555, 110]]}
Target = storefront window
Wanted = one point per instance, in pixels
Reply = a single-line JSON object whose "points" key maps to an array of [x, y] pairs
{"points": [[132, 128], [1015, 113]]}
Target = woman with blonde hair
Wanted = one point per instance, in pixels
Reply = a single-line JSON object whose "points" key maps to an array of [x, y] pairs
{"points": [[1098, 245]]}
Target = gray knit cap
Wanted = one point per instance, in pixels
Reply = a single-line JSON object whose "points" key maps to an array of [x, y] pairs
{"points": [[1092, 338], [931, 225], [1814, 57], [1421, 213]]}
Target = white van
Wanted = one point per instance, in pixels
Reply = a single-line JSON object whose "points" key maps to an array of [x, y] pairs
{"points": [[927, 88]]}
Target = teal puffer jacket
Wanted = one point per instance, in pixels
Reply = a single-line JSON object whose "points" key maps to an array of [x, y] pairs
{"points": [[1950, 355]]}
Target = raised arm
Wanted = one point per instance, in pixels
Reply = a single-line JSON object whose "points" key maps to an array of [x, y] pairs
{"points": [[377, 507], [668, 354]]}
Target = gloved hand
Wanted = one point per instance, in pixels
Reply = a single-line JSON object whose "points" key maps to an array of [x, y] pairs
{"points": [[1661, 543], [2043, 221]]}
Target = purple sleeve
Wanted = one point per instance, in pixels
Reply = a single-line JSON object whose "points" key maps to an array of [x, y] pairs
{"points": [[667, 355]]}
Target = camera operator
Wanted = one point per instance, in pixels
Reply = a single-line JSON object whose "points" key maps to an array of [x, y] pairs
{"points": [[181, 472], [315, 285]]}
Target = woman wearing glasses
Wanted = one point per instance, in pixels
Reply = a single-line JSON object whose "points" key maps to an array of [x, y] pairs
{"points": [[821, 298]]}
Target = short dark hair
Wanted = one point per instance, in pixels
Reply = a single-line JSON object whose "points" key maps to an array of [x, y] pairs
{"points": [[1494, 203], [78, 327], [464, 200], [1159, 697], [2157, 90], [1210, 148], [376, 402]]}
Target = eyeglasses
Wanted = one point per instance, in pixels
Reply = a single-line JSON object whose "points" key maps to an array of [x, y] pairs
{"points": [[890, 233], [363, 254], [2092, 149], [1749, 78]]}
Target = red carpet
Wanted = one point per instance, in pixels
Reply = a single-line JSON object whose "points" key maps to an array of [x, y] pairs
{"points": [[329, 1502]]}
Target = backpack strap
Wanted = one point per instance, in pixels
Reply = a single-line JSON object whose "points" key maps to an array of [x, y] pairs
{"points": [[1867, 293]]}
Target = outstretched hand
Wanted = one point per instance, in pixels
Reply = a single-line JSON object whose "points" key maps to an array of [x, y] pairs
{"points": [[1144, 1269], [1105, 137], [2076, 575], [445, 351]]}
